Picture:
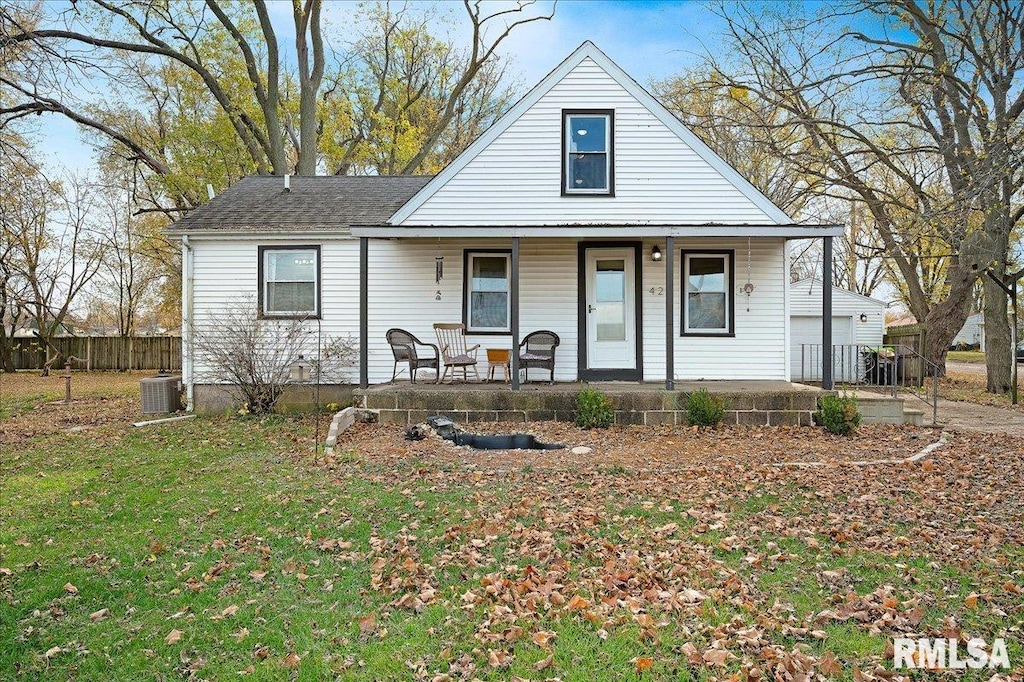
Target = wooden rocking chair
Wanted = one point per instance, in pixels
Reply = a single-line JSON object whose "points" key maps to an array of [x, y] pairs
{"points": [[451, 340]]}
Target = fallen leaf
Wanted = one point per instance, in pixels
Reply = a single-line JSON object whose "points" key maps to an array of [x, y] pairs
{"points": [[971, 601], [51, 652], [716, 657], [173, 637], [70, 589], [829, 665], [643, 663], [229, 611], [291, 660], [99, 615], [498, 659], [543, 637], [368, 624], [544, 663]]}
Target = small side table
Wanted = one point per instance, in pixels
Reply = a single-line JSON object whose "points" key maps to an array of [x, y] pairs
{"points": [[499, 357]]}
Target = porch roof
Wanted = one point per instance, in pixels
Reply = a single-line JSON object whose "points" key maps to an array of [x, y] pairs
{"points": [[790, 231]]}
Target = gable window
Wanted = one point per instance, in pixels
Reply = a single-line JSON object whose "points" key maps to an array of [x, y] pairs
{"points": [[487, 302], [587, 154], [289, 281], [707, 293]]}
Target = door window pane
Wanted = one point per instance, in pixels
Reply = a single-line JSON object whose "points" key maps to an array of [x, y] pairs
{"points": [[610, 295]]}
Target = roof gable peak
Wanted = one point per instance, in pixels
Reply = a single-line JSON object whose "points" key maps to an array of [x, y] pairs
{"points": [[588, 50]]}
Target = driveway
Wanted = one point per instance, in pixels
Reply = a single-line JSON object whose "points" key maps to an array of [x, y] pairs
{"points": [[962, 416], [975, 368]]}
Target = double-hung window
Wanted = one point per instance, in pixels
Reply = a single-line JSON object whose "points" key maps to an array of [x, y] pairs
{"points": [[289, 281], [587, 156], [707, 293], [488, 306]]}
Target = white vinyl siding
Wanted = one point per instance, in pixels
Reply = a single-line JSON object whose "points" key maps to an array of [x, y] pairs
{"points": [[225, 276], [756, 351], [403, 293], [517, 179]]}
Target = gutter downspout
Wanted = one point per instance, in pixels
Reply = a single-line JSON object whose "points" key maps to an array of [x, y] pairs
{"points": [[187, 365]]}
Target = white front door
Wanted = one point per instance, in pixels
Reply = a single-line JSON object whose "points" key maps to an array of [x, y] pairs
{"points": [[611, 308]]}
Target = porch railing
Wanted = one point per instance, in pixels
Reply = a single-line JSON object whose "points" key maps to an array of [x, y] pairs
{"points": [[888, 369]]}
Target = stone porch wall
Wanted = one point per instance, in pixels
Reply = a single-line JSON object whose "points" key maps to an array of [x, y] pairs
{"points": [[792, 408]]}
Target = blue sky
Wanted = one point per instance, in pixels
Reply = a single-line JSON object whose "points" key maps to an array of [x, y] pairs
{"points": [[650, 40]]}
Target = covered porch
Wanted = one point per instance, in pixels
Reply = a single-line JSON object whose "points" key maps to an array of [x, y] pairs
{"points": [[551, 274]]}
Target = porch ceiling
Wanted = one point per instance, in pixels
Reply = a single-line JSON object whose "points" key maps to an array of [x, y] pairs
{"points": [[594, 231]]}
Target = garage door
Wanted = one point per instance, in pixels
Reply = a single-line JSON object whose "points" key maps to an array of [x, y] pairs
{"points": [[805, 349]]}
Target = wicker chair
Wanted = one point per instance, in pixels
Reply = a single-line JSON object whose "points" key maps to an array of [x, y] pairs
{"points": [[404, 346], [538, 350], [451, 339]]}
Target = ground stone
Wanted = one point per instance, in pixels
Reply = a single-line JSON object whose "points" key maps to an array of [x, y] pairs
{"points": [[581, 450]]}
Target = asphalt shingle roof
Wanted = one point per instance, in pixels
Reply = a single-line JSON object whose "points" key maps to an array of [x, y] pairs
{"points": [[261, 204]]}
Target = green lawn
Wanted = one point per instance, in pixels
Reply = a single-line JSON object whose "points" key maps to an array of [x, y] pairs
{"points": [[972, 356], [216, 548]]}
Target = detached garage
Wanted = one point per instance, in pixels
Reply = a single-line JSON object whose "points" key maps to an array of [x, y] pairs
{"points": [[856, 321]]}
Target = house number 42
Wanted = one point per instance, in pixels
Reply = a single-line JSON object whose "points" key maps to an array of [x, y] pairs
{"points": [[657, 291]]}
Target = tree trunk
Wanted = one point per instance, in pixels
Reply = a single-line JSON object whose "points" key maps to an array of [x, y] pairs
{"points": [[997, 338], [947, 317], [6, 352]]}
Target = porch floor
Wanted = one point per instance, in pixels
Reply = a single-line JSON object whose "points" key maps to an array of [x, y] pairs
{"points": [[609, 387], [746, 402]]}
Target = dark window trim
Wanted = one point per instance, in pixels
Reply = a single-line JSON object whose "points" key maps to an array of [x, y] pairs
{"points": [[730, 292], [261, 250], [465, 290], [610, 113], [582, 371]]}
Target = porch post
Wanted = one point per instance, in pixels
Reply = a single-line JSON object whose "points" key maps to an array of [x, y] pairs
{"points": [[514, 306], [364, 299], [826, 316], [670, 312]]}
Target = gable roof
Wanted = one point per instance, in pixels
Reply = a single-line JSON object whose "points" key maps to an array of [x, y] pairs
{"points": [[590, 51], [333, 202], [816, 281]]}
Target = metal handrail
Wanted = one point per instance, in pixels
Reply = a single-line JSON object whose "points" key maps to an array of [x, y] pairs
{"points": [[886, 367]]}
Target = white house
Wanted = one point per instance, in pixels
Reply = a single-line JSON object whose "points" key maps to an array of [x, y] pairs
{"points": [[972, 333], [858, 322], [588, 210]]}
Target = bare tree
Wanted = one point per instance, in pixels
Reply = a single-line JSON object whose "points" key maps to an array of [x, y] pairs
{"points": [[53, 252], [131, 269], [920, 131], [252, 356]]}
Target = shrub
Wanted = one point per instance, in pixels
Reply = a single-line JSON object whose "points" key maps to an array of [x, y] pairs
{"points": [[704, 409], [838, 414], [594, 410]]}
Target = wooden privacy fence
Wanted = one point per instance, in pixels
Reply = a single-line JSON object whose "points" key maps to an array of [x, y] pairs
{"points": [[104, 352]]}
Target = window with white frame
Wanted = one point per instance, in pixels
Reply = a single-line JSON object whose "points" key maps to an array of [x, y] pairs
{"points": [[587, 154], [290, 281], [487, 302], [707, 293]]}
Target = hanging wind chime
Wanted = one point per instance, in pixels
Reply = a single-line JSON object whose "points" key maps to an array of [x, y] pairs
{"points": [[748, 288], [438, 270]]}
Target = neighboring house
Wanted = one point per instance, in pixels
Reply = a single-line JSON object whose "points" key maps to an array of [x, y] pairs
{"points": [[972, 333], [588, 209], [857, 320]]}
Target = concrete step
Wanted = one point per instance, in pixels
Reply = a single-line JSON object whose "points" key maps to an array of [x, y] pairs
{"points": [[913, 417]]}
